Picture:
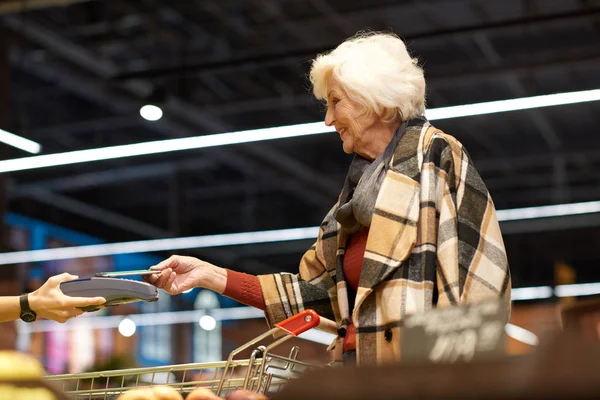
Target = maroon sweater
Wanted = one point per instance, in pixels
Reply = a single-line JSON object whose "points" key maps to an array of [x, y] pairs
{"points": [[246, 288]]}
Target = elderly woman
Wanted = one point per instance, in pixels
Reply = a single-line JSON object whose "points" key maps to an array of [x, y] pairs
{"points": [[414, 227]]}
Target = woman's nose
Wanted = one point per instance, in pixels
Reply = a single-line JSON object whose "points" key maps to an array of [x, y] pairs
{"points": [[329, 118]]}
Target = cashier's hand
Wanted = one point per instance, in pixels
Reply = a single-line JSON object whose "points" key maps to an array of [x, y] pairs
{"points": [[50, 302], [181, 273]]}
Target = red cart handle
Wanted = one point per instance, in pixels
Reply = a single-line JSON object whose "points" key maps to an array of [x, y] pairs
{"points": [[300, 323]]}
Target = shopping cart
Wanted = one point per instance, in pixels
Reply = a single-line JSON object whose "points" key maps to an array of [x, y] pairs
{"points": [[264, 372]]}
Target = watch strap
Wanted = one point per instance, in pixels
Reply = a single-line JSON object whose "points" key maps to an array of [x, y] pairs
{"points": [[24, 301], [27, 314]]}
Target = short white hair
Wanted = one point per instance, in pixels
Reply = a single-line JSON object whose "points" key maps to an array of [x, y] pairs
{"points": [[376, 71]]}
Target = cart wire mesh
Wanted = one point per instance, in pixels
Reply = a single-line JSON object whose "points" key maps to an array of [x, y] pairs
{"points": [[264, 372]]}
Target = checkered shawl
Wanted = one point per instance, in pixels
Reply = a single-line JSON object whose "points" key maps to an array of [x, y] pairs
{"points": [[434, 241]]}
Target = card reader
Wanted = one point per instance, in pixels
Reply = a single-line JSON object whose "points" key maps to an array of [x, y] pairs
{"points": [[115, 290]]}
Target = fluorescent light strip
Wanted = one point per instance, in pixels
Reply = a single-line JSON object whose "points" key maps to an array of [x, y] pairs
{"points": [[581, 289], [147, 319], [146, 246], [521, 334], [220, 314], [162, 318], [556, 210], [162, 146], [315, 335], [524, 103], [234, 239], [19, 142], [280, 132], [530, 293], [544, 292]]}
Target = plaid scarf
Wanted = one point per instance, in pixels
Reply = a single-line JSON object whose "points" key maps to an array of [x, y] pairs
{"points": [[361, 187]]}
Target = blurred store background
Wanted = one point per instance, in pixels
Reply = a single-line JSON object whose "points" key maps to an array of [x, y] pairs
{"points": [[76, 75]]}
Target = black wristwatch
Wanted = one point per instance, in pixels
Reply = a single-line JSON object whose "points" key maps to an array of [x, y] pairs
{"points": [[27, 314]]}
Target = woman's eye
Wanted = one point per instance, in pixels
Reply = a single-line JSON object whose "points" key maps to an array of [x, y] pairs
{"points": [[335, 100]]}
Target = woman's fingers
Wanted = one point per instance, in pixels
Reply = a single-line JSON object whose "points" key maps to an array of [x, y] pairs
{"points": [[151, 278], [159, 280], [169, 283], [164, 264], [162, 278]]}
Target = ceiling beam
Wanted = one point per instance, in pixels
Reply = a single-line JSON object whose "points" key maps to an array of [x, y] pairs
{"points": [[87, 126], [262, 151], [255, 61], [96, 92], [542, 195], [205, 194], [104, 69], [550, 224], [542, 124], [538, 179], [94, 213], [587, 58], [267, 249], [534, 160], [112, 176], [72, 81], [18, 6], [224, 257]]}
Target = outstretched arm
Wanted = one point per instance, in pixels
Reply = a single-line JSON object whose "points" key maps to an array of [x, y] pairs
{"points": [[9, 308], [310, 287], [181, 273], [48, 302]]}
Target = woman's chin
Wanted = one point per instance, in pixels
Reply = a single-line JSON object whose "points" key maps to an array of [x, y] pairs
{"points": [[347, 148]]}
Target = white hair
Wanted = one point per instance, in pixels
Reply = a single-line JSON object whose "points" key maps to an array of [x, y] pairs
{"points": [[377, 72]]}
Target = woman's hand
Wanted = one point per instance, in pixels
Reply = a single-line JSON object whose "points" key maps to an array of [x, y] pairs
{"points": [[181, 273], [50, 302]]}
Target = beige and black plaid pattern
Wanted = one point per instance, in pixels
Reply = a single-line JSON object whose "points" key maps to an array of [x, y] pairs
{"points": [[434, 241]]}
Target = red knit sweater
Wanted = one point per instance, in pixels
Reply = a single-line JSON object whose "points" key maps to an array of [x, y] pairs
{"points": [[246, 288]]}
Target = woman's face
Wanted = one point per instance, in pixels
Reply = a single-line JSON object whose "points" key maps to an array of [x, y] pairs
{"points": [[349, 119]]}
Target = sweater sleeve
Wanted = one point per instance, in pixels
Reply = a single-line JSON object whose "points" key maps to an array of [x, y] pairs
{"points": [[244, 288]]}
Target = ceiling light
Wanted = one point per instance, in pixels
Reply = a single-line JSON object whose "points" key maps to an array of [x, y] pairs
{"points": [[127, 327], [19, 142], [280, 132], [207, 323], [151, 112]]}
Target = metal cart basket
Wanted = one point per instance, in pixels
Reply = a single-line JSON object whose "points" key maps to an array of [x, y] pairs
{"points": [[264, 372]]}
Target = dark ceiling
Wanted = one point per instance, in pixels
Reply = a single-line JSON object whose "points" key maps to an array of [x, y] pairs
{"points": [[80, 72]]}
